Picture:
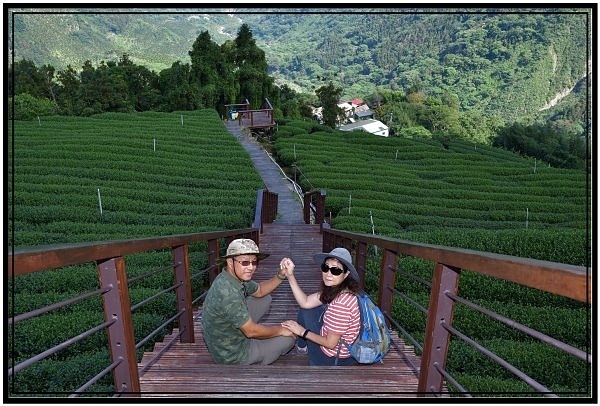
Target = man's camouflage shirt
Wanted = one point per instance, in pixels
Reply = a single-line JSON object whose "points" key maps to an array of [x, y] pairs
{"points": [[223, 313]]}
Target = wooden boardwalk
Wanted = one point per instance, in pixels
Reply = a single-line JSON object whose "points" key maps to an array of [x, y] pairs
{"points": [[186, 370]]}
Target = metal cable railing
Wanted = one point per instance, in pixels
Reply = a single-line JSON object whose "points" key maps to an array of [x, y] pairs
{"points": [[58, 347], [55, 306], [568, 281], [114, 288], [582, 355], [502, 362]]}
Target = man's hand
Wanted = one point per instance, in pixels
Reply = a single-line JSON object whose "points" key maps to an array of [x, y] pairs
{"points": [[287, 266]]}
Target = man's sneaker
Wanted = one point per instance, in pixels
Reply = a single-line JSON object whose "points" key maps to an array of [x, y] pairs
{"points": [[302, 350]]}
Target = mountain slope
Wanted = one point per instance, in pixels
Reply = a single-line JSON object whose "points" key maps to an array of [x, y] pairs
{"points": [[505, 62]]}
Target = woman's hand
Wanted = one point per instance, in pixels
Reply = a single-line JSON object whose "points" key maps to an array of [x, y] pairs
{"points": [[287, 266], [294, 327]]}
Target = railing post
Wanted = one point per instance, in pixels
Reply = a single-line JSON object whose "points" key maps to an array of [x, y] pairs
{"points": [[345, 243], [181, 269], [360, 262], [260, 208], [269, 209], [213, 260], [328, 240], [320, 214], [264, 210], [306, 209], [387, 281], [121, 339], [255, 235], [275, 206], [437, 338]]}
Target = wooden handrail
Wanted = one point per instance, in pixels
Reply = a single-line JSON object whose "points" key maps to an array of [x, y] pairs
{"points": [[574, 282], [571, 281], [112, 276], [24, 261]]}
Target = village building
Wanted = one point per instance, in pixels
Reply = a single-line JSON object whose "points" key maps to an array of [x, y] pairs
{"points": [[371, 126], [356, 115]]}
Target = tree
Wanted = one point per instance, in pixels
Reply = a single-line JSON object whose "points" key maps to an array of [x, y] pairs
{"points": [[102, 89], [174, 86], [329, 97], [206, 62], [47, 76], [27, 107], [141, 85], [252, 68], [230, 87], [290, 106], [27, 79], [439, 118], [68, 90], [544, 142]]}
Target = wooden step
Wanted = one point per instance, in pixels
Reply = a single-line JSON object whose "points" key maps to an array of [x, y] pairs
{"points": [[187, 370]]}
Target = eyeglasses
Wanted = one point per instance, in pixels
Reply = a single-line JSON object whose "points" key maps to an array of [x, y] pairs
{"points": [[247, 263], [335, 271]]}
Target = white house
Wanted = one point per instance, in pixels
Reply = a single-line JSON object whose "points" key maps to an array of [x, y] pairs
{"points": [[371, 126], [347, 110]]}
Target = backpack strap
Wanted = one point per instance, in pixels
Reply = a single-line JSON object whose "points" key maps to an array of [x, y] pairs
{"points": [[337, 357]]}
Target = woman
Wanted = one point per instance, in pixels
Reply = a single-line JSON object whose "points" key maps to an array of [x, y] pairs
{"points": [[330, 316]]}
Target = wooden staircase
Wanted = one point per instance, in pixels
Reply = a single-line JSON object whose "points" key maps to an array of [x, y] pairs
{"points": [[186, 369]]}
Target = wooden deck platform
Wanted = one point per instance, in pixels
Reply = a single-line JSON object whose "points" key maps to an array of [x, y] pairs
{"points": [[186, 370], [255, 119]]}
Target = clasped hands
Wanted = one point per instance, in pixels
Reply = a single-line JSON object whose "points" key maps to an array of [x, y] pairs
{"points": [[287, 266]]}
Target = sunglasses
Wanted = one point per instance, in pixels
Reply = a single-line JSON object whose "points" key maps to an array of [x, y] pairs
{"points": [[335, 271], [247, 263]]}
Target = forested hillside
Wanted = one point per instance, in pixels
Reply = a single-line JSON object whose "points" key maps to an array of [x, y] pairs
{"points": [[505, 62]]}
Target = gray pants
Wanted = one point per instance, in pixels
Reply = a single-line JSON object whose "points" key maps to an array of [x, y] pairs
{"points": [[265, 351]]}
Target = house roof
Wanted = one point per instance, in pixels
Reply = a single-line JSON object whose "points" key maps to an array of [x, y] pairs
{"points": [[363, 113], [362, 123]]}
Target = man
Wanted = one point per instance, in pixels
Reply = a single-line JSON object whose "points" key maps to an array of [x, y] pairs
{"points": [[234, 306]]}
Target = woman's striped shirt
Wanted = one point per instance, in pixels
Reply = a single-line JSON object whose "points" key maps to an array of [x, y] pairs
{"points": [[342, 317]]}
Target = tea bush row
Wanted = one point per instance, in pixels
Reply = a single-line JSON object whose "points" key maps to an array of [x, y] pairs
{"points": [[198, 179], [466, 196]]}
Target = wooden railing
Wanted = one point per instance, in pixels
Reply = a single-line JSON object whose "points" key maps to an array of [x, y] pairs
{"points": [[258, 118], [574, 282], [314, 207], [266, 208], [109, 256], [232, 109]]}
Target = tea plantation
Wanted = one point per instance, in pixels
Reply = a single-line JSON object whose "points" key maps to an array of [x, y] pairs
{"points": [[468, 196], [119, 176], [112, 177]]}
